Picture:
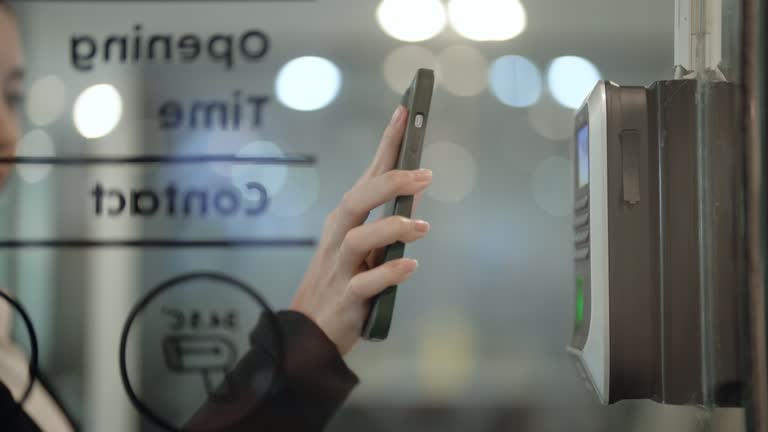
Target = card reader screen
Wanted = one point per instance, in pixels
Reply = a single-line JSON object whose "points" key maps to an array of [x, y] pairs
{"points": [[582, 146]]}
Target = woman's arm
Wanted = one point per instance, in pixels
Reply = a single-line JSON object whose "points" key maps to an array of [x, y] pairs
{"points": [[302, 394], [328, 311]]}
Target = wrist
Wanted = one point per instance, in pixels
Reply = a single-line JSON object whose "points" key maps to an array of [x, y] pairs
{"points": [[320, 325]]}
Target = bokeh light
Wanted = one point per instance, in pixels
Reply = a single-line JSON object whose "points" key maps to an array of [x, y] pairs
{"points": [[459, 170], [222, 142], [411, 20], [446, 355], [550, 119], [35, 143], [401, 64], [272, 177], [570, 79], [462, 70], [308, 83], [515, 81], [46, 100], [299, 194], [97, 111], [487, 20]]}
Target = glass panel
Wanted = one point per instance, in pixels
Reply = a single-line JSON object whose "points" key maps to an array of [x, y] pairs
{"points": [[176, 161], [721, 174]]}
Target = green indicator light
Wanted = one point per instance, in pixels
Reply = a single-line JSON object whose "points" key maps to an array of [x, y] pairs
{"points": [[579, 300]]}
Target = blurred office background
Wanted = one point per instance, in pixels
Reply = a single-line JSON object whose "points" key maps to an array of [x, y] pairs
{"points": [[478, 341]]}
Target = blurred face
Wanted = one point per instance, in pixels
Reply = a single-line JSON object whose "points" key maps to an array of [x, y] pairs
{"points": [[11, 75]]}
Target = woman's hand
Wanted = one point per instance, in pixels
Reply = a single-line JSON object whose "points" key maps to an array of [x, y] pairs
{"points": [[342, 277]]}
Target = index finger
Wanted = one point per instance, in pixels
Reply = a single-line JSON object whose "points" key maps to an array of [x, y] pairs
{"points": [[389, 146]]}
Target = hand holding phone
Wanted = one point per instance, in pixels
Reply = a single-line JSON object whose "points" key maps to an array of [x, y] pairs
{"points": [[349, 269], [418, 99]]}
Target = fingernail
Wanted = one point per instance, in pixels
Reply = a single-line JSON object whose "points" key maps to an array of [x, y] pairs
{"points": [[409, 265], [396, 115], [421, 226], [422, 175]]}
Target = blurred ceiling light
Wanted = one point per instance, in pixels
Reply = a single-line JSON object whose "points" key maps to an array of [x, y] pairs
{"points": [[34, 144], [570, 79], [411, 20], [272, 177], [402, 63], [308, 83], [97, 111], [46, 100], [487, 20], [463, 70], [515, 81], [447, 157]]}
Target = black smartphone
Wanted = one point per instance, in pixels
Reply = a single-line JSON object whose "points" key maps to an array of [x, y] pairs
{"points": [[417, 99]]}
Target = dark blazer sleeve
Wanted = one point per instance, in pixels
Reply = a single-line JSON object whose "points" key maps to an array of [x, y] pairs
{"points": [[12, 418], [299, 390]]}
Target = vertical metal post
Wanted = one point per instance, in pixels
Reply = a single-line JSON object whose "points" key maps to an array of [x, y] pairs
{"points": [[753, 79]]}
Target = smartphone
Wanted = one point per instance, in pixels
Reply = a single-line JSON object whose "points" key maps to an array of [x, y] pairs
{"points": [[417, 98]]}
